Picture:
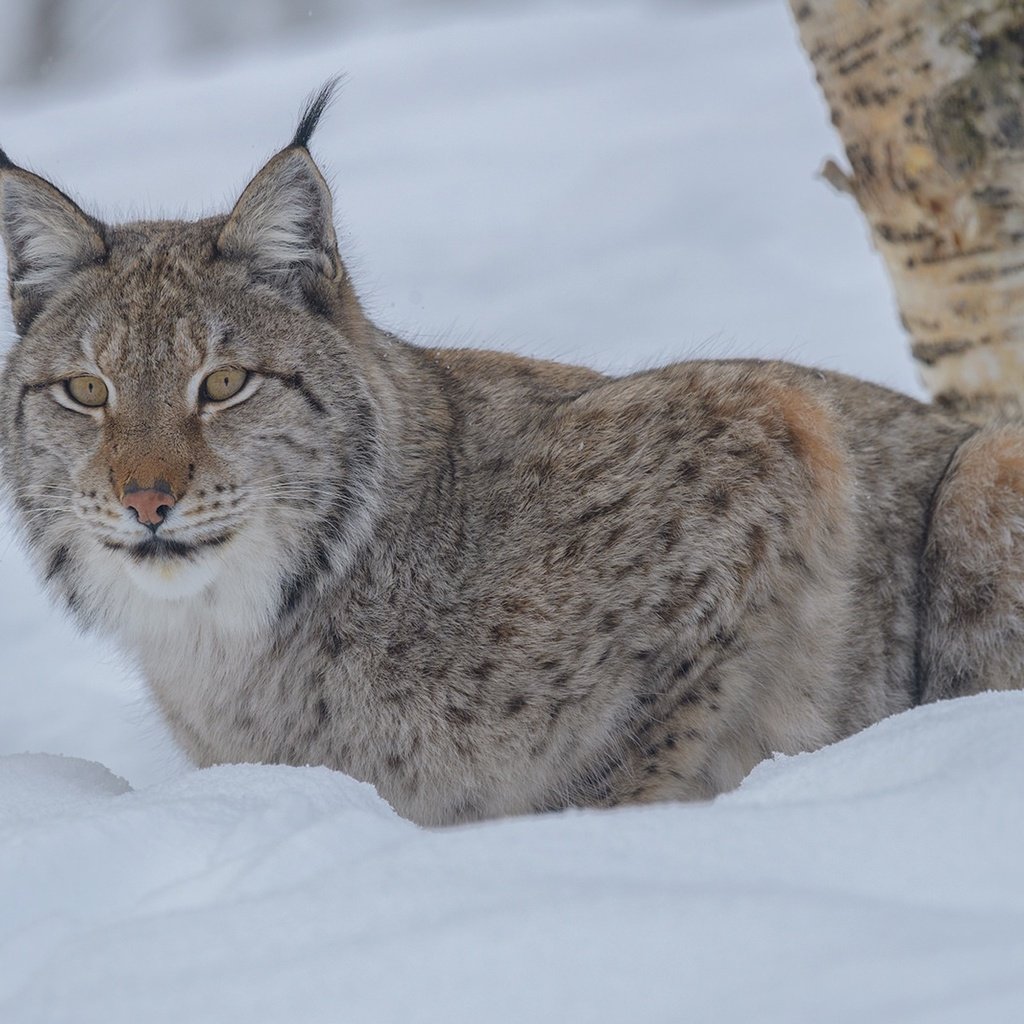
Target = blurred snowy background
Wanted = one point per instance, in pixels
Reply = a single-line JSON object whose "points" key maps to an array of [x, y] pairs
{"points": [[612, 182], [74, 42]]}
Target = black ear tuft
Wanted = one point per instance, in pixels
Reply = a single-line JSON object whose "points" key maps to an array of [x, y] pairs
{"points": [[314, 110], [5, 160]]}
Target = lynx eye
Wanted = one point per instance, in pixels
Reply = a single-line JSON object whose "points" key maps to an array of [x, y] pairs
{"points": [[87, 390], [223, 384]]}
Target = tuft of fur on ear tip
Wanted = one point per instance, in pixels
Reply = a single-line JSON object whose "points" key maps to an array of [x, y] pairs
{"points": [[5, 160], [282, 224], [313, 111]]}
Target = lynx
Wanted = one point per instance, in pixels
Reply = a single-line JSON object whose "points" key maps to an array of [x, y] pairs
{"points": [[486, 584]]}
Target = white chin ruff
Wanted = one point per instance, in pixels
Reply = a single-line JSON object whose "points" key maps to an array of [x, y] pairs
{"points": [[232, 589], [171, 579]]}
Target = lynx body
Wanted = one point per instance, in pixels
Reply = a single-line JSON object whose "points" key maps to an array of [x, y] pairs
{"points": [[488, 585]]}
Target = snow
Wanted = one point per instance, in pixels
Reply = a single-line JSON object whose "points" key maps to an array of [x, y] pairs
{"points": [[875, 880], [618, 184]]}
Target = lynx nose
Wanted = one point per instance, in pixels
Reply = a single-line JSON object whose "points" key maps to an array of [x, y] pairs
{"points": [[150, 504]]}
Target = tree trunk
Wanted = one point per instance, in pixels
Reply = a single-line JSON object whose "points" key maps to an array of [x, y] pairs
{"points": [[928, 97]]}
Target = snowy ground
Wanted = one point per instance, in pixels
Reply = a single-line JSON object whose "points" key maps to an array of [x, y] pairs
{"points": [[617, 184]]}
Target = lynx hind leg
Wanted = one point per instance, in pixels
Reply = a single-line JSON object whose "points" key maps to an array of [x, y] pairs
{"points": [[973, 570]]}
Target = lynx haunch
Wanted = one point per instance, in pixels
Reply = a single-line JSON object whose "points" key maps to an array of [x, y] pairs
{"points": [[488, 585]]}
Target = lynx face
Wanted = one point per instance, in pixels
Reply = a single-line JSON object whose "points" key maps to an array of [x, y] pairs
{"points": [[158, 433], [157, 473]]}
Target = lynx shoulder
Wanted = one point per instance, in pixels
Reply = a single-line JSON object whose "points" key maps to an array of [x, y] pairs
{"points": [[488, 585]]}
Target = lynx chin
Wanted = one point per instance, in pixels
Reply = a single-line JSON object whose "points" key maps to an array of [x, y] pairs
{"points": [[488, 585]]}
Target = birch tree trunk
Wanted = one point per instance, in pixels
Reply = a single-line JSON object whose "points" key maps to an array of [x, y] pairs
{"points": [[928, 98]]}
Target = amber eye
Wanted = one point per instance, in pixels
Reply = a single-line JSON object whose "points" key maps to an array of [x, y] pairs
{"points": [[87, 390], [223, 384]]}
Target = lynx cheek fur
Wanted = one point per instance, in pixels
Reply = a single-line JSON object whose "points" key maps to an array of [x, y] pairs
{"points": [[486, 584]]}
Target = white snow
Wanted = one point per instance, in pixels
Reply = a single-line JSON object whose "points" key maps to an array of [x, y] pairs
{"points": [[615, 183]]}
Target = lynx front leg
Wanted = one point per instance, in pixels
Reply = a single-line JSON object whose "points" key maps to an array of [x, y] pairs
{"points": [[972, 583]]}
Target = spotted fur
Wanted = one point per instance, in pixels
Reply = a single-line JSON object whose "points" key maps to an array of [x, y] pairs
{"points": [[488, 585]]}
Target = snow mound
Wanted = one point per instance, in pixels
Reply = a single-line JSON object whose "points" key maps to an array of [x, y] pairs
{"points": [[878, 879], [938, 743], [31, 784]]}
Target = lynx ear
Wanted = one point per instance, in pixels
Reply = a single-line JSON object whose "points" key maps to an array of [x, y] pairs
{"points": [[282, 226], [47, 238]]}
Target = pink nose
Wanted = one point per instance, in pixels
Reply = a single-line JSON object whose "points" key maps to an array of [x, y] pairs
{"points": [[150, 505]]}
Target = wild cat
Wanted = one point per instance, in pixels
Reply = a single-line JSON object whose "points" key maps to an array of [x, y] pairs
{"points": [[486, 584]]}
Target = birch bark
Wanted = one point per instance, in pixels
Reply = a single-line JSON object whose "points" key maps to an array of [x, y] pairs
{"points": [[928, 98]]}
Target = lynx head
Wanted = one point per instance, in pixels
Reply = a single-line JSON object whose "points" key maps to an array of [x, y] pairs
{"points": [[182, 412]]}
